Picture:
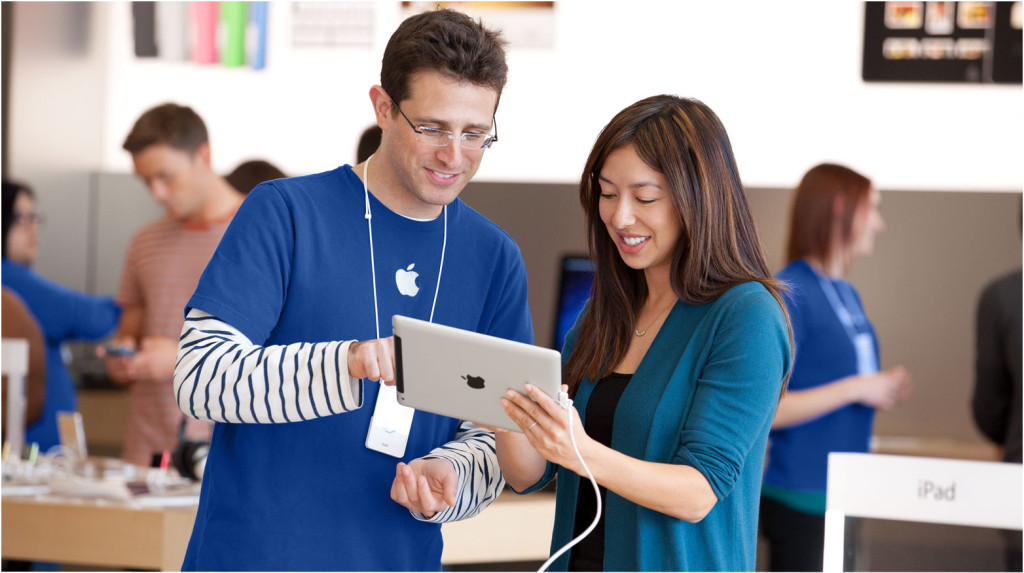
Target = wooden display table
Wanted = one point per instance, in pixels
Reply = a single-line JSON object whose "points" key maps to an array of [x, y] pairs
{"points": [[96, 532], [115, 534]]}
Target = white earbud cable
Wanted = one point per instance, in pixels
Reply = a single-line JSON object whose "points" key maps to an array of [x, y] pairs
{"points": [[373, 267], [369, 225], [565, 401], [444, 245]]}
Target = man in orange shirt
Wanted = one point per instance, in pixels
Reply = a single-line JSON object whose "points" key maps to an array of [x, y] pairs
{"points": [[171, 152]]}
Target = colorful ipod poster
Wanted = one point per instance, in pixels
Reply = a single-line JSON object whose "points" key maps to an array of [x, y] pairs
{"points": [[938, 18], [901, 48], [938, 48], [974, 15], [904, 15], [971, 48]]}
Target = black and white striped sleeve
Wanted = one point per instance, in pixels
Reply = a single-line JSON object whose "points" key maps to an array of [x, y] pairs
{"points": [[221, 376], [476, 462]]}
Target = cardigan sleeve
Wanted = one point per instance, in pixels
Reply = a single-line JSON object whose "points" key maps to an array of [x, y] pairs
{"points": [[737, 390]]}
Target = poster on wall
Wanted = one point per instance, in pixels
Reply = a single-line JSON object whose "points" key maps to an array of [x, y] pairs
{"points": [[332, 24], [953, 42], [232, 34], [525, 24]]}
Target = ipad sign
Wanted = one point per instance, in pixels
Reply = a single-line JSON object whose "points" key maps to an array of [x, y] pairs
{"points": [[475, 382]]}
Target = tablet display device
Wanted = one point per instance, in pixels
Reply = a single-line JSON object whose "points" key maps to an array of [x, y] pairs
{"points": [[463, 374]]}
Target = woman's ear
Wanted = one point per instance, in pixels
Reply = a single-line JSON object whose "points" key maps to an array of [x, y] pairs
{"points": [[837, 206]]}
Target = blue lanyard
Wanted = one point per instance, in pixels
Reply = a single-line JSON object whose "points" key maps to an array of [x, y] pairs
{"points": [[850, 321], [862, 341]]}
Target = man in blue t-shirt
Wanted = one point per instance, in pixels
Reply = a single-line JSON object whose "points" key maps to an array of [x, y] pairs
{"points": [[289, 331]]}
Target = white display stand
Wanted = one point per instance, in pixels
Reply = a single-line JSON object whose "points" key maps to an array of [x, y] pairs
{"points": [[918, 489], [14, 363]]}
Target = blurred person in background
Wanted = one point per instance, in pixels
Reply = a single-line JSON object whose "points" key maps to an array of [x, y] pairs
{"points": [[170, 150], [369, 141], [996, 402], [251, 173], [16, 321], [62, 314], [836, 384], [997, 397]]}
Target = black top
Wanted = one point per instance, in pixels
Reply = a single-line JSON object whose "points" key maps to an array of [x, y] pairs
{"points": [[588, 554], [996, 403]]}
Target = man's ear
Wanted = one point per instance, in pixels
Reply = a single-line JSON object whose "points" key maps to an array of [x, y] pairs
{"points": [[203, 154], [381, 106]]}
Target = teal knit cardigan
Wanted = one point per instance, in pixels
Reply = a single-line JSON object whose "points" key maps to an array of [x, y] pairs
{"points": [[704, 396]]}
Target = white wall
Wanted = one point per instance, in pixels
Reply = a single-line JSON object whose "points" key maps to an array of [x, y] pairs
{"points": [[56, 121], [784, 77]]}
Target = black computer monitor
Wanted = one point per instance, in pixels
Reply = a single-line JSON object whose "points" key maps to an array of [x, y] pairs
{"points": [[575, 279]]}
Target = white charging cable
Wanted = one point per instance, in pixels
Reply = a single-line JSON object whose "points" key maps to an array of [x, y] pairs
{"points": [[566, 403]]}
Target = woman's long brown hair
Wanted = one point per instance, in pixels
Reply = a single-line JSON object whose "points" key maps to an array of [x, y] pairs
{"points": [[816, 215], [719, 247]]}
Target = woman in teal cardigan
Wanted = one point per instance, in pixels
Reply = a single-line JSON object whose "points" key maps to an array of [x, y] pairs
{"points": [[675, 366]]}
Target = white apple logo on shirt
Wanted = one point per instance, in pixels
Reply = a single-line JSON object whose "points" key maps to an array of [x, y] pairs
{"points": [[406, 281]]}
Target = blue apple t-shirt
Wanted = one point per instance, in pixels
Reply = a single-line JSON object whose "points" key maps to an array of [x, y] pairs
{"points": [[295, 266]]}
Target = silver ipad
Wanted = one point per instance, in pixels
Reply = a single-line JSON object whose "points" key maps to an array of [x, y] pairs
{"points": [[464, 374]]}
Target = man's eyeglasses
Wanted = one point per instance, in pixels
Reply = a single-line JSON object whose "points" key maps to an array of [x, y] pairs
{"points": [[30, 218], [441, 137]]}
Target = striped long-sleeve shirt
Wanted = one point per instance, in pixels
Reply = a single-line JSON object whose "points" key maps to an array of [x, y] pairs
{"points": [[221, 376]]}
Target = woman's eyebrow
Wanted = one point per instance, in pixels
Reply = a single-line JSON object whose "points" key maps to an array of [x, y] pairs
{"points": [[637, 185]]}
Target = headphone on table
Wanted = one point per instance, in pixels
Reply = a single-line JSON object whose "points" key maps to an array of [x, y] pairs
{"points": [[189, 457]]}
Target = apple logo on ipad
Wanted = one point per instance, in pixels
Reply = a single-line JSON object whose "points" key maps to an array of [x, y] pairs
{"points": [[474, 381], [405, 279]]}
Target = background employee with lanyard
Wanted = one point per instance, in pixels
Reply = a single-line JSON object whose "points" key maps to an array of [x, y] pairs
{"points": [[295, 479], [836, 383]]}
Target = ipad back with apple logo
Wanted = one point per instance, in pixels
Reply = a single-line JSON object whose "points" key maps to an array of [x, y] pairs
{"points": [[463, 374]]}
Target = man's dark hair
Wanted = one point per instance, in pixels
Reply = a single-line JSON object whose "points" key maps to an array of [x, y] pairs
{"points": [[444, 41], [170, 124]]}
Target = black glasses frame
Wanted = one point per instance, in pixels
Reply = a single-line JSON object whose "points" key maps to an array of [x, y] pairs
{"points": [[491, 139]]}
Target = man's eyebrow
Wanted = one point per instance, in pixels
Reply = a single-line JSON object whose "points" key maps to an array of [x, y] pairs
{"points": [[447, 125]]}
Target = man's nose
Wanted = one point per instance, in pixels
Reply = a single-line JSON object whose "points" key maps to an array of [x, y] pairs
{"points": [[452, 154], [159, 191]]}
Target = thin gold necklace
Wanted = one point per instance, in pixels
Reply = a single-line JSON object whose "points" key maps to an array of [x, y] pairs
{"points": [[644, 331]]}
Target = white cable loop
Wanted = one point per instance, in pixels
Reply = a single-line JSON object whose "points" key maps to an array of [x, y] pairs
{"points": [[373, 268], [597, 494]]}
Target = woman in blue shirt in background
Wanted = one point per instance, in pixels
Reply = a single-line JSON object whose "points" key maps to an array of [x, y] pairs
{"points": [[675, 365], [62, 313], [836, 384]]}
